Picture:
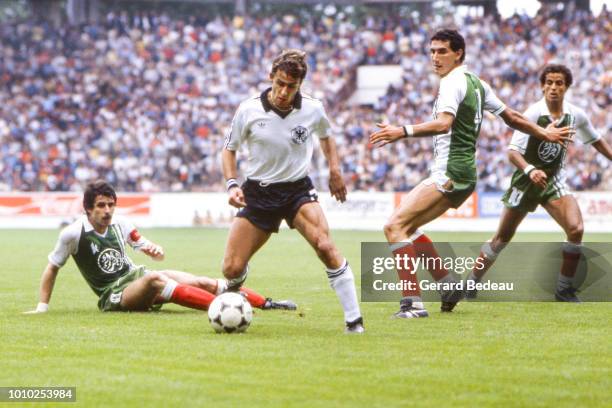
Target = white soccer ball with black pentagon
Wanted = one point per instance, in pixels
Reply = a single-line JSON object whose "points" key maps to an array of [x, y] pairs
{"points": [[230, 313]]}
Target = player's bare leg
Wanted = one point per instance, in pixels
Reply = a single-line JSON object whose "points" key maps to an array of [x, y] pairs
{"points": [[144, 292], [185, 278], [141, 294], [423, 204], [310, 221], [566, 212], [243, 241]]}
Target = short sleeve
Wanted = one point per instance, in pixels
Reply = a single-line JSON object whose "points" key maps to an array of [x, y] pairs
{"points": [[585, 131], [322, 127], [237, 132], [66, 245], [491, 102], [519, 139], [130, 233], [451, 94]]}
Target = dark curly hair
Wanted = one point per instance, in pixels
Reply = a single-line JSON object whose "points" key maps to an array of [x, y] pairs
{"points": [[557, 69]]}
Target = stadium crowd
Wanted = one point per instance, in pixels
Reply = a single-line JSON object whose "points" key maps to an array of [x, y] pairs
{"points": [[144, 101]]}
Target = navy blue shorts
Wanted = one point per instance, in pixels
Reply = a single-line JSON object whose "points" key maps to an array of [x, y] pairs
{"points": [[268, 205]]}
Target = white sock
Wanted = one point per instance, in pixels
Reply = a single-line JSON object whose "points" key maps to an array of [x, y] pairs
{"points": [[343, 282], [238, 281], [168, 290], [418, 305], [221, 286]]}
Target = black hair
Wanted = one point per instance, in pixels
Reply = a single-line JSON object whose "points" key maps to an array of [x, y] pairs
{"points": [[456, 40], [97, 188]]}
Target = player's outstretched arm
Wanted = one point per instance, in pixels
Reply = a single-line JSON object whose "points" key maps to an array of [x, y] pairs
{"points": [[337, 188], [538, 177], [604, 148], [47, 283], [389, 133], [553, 134], [230, 172]]}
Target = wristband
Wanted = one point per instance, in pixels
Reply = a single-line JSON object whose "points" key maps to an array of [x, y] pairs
{"points": [[42, 307], [231, 183], [529, 169], [408, 131]]}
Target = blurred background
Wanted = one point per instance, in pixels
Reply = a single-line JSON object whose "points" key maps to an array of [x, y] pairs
{"points": [[141, 93]]}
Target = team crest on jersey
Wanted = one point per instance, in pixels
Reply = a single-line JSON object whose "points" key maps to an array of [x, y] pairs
{"points": [[547, 152], [110, 261], [299, 135]]}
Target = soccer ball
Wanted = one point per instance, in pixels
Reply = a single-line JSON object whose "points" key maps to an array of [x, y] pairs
{"points": [[230, 313]]}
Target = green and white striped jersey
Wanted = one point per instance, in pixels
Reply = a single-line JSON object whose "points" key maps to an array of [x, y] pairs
{"points": [[546, 156], [101, 258], [466, 97]]}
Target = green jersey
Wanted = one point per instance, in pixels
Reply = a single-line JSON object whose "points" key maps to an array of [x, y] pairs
{"points": [[101, 258], [466, 97], [546, 156]]}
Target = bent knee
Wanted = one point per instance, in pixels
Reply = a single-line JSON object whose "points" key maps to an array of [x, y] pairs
{"points": [[575, 232], [155, 280]]}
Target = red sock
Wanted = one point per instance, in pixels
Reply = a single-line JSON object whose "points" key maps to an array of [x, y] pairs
{"points": [[254, 298], [190, 296], [570, 264], [424, 247], [405, 271]]}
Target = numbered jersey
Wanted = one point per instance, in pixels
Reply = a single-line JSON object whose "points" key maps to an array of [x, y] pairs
{"points": [[546, 156], [101, 258], [466, 97], [523, 195]]}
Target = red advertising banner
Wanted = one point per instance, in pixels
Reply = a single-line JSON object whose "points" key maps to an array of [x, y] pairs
{"points": [[65, 205]]}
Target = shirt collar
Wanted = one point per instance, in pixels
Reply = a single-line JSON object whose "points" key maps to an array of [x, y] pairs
{"points": [[88, 227], [544, 111], [297, 103], [461, 69]]}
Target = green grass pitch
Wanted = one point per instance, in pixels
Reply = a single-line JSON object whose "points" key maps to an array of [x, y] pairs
{"points": [[483, 354]]}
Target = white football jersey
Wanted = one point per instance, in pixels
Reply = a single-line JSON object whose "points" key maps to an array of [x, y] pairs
{"points": [[280, 146]]}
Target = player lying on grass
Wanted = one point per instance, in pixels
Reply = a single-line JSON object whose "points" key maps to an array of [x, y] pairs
{"points": [[97, 241], [457, 115], [540, 179]]}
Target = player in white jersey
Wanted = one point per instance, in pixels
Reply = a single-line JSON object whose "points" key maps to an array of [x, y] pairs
{"points": [[540, 179], [97, 241], [457, 115], [279, 128]]}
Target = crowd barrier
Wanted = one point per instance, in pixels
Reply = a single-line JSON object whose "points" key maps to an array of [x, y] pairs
{"points": [[362, 211]]}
